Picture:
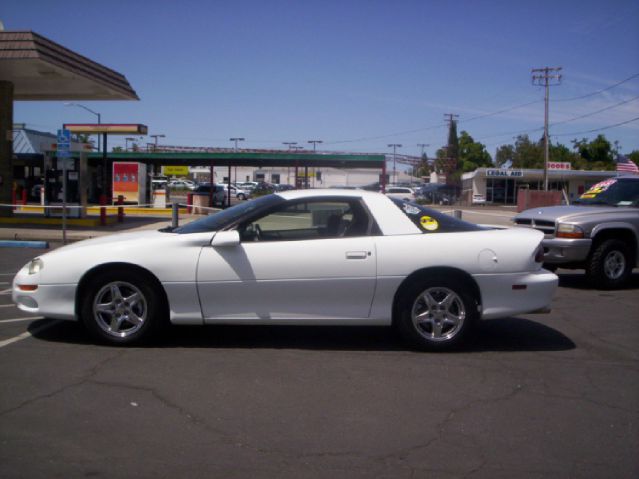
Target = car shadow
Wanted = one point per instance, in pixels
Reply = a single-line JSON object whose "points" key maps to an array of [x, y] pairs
{"points": [[578, 280], [509, 334]]}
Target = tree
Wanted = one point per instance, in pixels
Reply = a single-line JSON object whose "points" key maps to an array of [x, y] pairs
{"points": [[634, 156], [528, 154], [598, 154], [472, 154], [504, 154], [453, 141]]}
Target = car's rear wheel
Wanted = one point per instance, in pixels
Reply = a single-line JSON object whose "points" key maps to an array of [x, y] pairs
{"points": [[436, 314], [609, 265], [241, 196], [123, 308]]}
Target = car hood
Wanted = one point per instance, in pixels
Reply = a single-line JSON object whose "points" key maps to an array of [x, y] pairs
{"points": [[574, 212]]}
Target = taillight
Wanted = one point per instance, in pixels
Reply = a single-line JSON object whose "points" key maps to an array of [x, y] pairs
{"points": [[539, 254]]}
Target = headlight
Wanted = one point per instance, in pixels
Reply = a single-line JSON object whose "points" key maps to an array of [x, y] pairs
{"points": [[35, 265], [569, 231]]}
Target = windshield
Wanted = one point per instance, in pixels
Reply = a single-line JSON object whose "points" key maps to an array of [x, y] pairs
{"points": [[433, 221], [224, 218], [612, 192]]}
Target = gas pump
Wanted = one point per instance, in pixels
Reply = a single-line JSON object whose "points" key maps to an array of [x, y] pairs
{"points": [[53, 189]]}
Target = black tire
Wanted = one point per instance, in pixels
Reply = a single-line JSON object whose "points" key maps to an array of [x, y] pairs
{"points": [[609, 265], [241, 196], [444, 328], [114, 322]]}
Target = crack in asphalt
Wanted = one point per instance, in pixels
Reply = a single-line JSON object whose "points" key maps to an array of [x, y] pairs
{"points": [[92, 372]]}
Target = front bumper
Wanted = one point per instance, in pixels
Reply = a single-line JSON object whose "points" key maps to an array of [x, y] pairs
{"points": [[50, 300], [565, 250]]}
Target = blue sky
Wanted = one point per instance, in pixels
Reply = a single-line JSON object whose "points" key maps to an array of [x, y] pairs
{"points": [[356, 74]]}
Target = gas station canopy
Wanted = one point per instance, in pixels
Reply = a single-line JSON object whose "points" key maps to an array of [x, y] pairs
{"points": [[44, 70]]}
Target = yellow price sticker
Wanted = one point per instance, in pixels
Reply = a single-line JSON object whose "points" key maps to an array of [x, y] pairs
{"points": [[429, 223]]}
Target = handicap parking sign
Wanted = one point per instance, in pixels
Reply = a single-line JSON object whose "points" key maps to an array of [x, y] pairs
{"points": [[64, 143]]}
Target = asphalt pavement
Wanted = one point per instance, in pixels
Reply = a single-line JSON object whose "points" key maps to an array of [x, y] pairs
{"points": [[532, 396]]}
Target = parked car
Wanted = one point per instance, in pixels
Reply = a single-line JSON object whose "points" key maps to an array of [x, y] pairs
{"points": [[332, 257], [598, 232], [219, 196], [479, 200], [401, 192], [237, 192], [246, 185], [182, 184], [281, 187]]}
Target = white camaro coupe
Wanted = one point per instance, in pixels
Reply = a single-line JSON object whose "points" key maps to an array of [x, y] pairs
{"points": [[331, 257]]}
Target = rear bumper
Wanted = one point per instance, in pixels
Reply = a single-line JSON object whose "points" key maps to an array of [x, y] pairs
{"points": [[560, 250], [533, 293]]}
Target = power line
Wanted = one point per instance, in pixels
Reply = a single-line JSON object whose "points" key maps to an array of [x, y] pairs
{"points": [[595, 112], [598, 129], [505, 110], [598, 91]]}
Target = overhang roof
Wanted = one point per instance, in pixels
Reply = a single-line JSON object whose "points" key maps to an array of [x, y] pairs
{"points": [[259, 160], [44, 70]]}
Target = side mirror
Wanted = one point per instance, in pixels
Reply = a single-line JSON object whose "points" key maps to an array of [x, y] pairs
{"points": [[226, 238]]}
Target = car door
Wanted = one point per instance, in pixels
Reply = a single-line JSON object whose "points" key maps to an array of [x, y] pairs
{"points": [[310, 261]]}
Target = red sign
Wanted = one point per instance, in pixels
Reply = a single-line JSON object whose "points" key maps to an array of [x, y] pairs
{"points": [[126, 180], [559, 165]]}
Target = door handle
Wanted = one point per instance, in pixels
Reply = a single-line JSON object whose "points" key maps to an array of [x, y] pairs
{"points": [[357, 254]]}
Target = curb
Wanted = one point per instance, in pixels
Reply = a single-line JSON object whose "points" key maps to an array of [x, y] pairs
{"points": [[24, 244]]}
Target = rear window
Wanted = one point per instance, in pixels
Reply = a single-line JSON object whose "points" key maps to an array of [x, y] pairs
{"points": [[432, 221]]}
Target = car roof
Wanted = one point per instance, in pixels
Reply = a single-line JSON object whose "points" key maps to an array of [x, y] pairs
{"points": [[300, 194]]}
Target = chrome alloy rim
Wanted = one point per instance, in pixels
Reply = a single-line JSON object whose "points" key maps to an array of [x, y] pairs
{"points": [[120, 309], [614, 265], [438, 314]]}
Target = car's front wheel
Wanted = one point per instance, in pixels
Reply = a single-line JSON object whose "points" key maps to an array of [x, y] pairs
{"points": [[122, 308], [609, 265], [436, 314]]}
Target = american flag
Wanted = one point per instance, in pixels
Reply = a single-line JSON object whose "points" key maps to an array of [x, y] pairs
{"points": [[626, 165]]}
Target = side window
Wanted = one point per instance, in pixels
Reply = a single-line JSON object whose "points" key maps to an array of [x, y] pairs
{"points": [[308, 220]]}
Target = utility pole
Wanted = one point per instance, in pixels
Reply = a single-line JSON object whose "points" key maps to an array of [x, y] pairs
{"points": [[394, 146], [423, 145], [544, 77]]}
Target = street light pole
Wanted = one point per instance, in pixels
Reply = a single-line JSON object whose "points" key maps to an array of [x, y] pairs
{"points": [[395, 146], [90, 111], [236, 140], [315, 142], [155, 144]]}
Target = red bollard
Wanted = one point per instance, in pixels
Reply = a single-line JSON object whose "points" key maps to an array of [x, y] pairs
{"points": [[102, 210], [120, 209], [24, 196], [189, 202]]}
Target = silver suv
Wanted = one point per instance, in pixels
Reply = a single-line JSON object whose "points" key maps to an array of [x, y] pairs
{"points": [[598, 232]]}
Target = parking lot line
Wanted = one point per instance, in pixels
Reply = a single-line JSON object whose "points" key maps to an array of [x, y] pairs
{"points": [[7, 305], [28, 334], [15, 320]]}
